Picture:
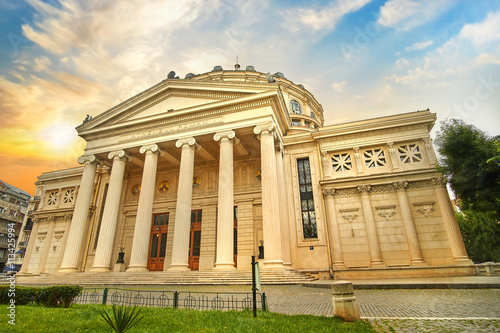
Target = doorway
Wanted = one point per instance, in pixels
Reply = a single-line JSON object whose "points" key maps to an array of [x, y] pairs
{"points": [[158, 242], [195, 240]]}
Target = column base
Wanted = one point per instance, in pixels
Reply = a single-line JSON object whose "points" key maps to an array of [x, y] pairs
{"points": [[178, 268], [339, 265], [377, 264], [100, 270], [273, 264], [68, 270], [462, 261], [418, 263], [135, 268], [224, 267]]}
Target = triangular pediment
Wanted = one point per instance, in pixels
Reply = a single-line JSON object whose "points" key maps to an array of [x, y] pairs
{"points": [[161, 99]]}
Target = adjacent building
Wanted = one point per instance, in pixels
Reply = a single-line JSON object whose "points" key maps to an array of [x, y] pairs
{"points": [[13, 210], [203, 173]]}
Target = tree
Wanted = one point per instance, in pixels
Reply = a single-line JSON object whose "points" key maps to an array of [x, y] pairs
{"points": [[465, 152], [481, 234]]}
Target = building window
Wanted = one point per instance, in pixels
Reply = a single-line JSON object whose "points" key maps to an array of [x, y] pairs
{"points": [[313, 115], [306, 199], [307, 123], [295, 122], [375, 158], [342, 162], [409, 153], [69, 196], [295, 106], [52, 200]]}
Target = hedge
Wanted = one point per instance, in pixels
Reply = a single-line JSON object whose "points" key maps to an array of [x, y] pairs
{"points": [[56, 296]]}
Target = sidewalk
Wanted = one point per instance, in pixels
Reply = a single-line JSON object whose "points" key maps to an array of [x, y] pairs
{"points": [[461, 282]]}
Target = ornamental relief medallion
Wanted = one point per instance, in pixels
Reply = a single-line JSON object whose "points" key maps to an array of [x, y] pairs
{"points": [[386, 211], [425, 208]]}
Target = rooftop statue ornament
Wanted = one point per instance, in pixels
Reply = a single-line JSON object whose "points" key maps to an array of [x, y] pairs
{"points": [[189, 75], [270, 78], [87, 119], [171, 75], [280, 75], [250, 68], [217, 68]]}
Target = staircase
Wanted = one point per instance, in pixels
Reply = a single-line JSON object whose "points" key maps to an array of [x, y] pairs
{"points": [[237, 277]]}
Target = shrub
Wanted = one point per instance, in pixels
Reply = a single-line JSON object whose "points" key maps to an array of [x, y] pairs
{"points": [[123, 318], [57, 296], [22, 295]]}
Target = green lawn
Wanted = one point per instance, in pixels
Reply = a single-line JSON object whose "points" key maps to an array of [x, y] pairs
{"points": [[85, 318]]}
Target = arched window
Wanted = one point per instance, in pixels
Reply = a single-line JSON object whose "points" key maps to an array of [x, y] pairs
{"points": [[295, 106]]}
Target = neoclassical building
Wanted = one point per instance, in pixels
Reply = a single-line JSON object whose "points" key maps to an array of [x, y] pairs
{"points": [[205, 172]]}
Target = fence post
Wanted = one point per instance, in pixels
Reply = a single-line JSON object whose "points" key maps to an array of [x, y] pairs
{"points": [[105, 296], [264, 306], [176, 299]]}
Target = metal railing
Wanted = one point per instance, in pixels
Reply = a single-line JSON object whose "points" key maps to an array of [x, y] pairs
{"points": [[174, 299]]}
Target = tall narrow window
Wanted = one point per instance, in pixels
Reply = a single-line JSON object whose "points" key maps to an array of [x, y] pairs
{"points": [[306, 199]]}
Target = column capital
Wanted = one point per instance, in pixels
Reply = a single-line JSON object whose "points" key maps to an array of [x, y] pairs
{"points": [[121, 154], [329, 192], [400, 186], [439, 181], [271, 128], [364, 189], [187, 141], [88, 158], [152, 148], [231, 135]]}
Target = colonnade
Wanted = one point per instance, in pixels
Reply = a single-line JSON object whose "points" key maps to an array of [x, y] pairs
{"points": [[416, 258], [140, 246]]}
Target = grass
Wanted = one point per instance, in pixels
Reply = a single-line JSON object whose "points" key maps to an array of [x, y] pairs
{"points": [[86, 318]]}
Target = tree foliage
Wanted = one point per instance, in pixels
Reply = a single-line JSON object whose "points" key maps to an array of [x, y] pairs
{"points": [[465, 152], [481, 234]]}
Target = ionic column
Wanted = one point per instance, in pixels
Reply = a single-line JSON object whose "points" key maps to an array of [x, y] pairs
{"points": [[142, 231], [78, 224], [450, 223], [416, 258], [273, 257], [371, 228], [46, 245], [180, 246], [336, 246], [225, 218], [283, 207], [102, 261]]}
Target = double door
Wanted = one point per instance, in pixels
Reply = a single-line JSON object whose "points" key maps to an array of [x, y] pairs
{"points": [[158, 242]]}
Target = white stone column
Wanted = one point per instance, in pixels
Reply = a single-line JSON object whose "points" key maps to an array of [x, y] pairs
{"points": [[78, 224], [450, 223], [271, 225], [336, 246], [283, 206], [142, 231], [225, 211], [102, 260], [416, 258], [29, 248], [180, 246], [371, 228]]}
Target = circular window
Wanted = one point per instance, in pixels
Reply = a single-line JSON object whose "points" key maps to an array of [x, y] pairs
{"points": [[164, 186], [295, 106]]}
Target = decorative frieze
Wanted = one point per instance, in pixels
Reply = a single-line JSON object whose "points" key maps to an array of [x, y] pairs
{"points": [[364, 188], [386, 211], [349, 214], [425, 208], [329, 192]]}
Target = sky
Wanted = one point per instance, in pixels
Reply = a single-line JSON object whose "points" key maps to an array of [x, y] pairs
{"points": [[61, 60]]}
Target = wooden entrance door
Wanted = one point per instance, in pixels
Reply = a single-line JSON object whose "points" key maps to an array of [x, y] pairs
{"points": [[158, 242], [195, 240], [235, 239]]}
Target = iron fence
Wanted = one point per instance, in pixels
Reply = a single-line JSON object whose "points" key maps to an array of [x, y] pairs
{"points": [[220, 301]]}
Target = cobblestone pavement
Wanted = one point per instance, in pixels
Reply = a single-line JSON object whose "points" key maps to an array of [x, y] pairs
{"points": [[393, 310]]}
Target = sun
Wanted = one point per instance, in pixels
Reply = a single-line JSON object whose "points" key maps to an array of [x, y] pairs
{"points": [[59, 136]]}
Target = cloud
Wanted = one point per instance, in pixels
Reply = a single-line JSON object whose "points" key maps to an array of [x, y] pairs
{"points": [[339, 86], [321, 19], [407, 14], [482, 32], [419, 46]]}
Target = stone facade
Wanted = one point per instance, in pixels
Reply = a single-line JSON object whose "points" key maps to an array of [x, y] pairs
{"points": [[203, 173]]}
